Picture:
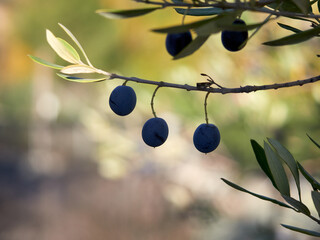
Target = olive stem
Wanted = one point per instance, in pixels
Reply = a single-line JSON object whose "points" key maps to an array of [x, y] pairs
{"points": [[152, 100], [205, 107]]}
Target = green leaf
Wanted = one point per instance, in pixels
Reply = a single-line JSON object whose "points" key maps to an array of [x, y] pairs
{"points": [[78, 68], [287, 157], [76, 42], [262, 160], [119, 14], [201, 11], [80, 79], [295, 38], [303, 5], [296, 204], [314, 183], [63, 49], [45, 63], [256, 195], [184, 27], [287, 27], [316, 200], [192, 47], [277, 170], [301, 230], [317, 144]]}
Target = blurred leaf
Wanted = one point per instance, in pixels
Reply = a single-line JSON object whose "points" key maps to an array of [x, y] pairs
{"points": [[256, 195], [295, 38], [80, 79], [319, 6], [296, 204], [301, 230], [192, 47], [304, 5], [277, 171], [314, 183], [201, 11], [316, 200], [63, 49], [76, 42], [45, 63], [119, 14], [262, 160], [287, 27], [184, 27], [226, 24], [76, 69], [219, 23], [318, 145], [287, 157]]}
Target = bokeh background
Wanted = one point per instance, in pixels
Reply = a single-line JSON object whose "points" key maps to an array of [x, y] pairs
{"points": [[71, 169]]}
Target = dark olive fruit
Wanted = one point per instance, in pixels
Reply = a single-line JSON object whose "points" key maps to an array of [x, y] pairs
{"points": [[206, 138], [234, 40], [155, 132], [175, 42], [122, 100]]}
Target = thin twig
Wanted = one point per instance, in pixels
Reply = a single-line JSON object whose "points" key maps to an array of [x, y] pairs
{"points": [[237, 6], [223, 90]]}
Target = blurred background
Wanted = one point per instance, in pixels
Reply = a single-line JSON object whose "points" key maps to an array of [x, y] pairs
{"points": [[71, 169]]}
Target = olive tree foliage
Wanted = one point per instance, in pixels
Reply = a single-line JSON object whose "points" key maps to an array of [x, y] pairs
{"points": [[217, 16]]}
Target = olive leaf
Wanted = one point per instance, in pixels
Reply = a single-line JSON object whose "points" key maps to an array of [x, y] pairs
{"points": [[315, 143], [302, 230], [298, 205], [192, 47], [62, 48], [262, 160], [287, 27], [314, 183], [287, 157], [295, 38], [256, 195], [316, 200], [201, 11], [81, 79], [45, 63], [119, 14], [277, 171], [76, 69], [76, 42]]}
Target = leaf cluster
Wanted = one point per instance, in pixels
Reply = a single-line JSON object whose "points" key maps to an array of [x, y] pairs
{"points": [[271, 158], [220, 14]]}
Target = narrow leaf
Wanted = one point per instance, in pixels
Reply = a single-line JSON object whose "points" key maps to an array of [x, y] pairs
{"points": [[295, 38], [184, 27], [302, 230], [262, 160], [314, 183], [119, 14], [80, 79], [76, 42], [316, 200], [296, 204], [62, 48], [201, 11], [304, 5], [277, 171], [192, 47], [45, 63], [256, 195], [76, 69], [287, 27], [287, 157], [317, 144]]}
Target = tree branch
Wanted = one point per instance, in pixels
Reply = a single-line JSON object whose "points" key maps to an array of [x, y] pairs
{"points": [[258, 7], [221, 90]]}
